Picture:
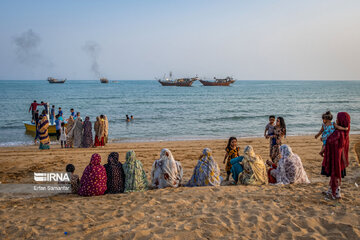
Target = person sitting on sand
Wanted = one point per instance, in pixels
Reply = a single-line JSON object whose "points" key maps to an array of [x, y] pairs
{"points": [[166, 172], [336, 156], [94, 178], [115, 174], [74, 179], [206, 172], [289, 168], [135, 176], [236, 167], [254, 172]]}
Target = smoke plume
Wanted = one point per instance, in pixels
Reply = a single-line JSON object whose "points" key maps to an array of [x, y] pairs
{"points": [[27, 49], [93, 50]]}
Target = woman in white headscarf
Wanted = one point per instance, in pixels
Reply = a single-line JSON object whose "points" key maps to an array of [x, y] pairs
{"points": [[254, 172], [166, 172], [206, 172], [289, 168]]}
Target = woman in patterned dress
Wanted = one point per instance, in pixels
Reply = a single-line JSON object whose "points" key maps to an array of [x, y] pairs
{"points": [[206, 172], [42, 129], [279, 133], [254, 172], [232, 151], [166, 172], [135, 176], [115, 174], [289, 168], [94, 178]]}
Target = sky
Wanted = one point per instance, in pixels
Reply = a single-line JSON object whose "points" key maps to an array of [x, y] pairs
{"points": [[141, 40]]}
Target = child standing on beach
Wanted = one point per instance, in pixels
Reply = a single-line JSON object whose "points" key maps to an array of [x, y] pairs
{"points": [[232, 151], [63, 135], [269, 131], [327, 129]]}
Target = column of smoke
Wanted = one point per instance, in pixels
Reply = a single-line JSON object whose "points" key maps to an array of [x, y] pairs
{"points": [[27, 51], [93, 50]]}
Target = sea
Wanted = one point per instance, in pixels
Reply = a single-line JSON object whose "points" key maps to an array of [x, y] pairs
{"points": [[181, 113]]}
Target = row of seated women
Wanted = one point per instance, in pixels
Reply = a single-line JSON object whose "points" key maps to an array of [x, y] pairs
{"points": [[248, 169]]}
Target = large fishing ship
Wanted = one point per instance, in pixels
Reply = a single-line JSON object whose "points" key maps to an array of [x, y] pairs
{"points": [[179, 82], [54, 80], [218, 82], [104, 80]]}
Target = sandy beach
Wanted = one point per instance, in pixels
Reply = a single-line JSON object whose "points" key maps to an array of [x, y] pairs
{"points": [[226, 212]]}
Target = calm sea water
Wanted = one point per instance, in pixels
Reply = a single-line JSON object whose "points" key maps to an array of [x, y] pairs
{"points": [[175, 113]]}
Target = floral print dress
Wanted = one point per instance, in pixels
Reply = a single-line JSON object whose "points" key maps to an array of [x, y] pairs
{"points": [[232, 153], [135, 176], [206, 172]]}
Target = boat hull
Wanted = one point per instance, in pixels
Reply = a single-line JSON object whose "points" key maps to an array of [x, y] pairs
{"points": [[56, 81], [30, 127], [177, 84], [210, 83]]}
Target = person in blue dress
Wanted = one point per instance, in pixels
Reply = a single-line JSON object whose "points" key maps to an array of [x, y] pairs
{"points": [[236, 167]]}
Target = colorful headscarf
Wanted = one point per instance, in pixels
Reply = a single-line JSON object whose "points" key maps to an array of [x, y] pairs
{"points": [[93, 180], [254, 168], [166, 172], [336, 155], [135, 176], [206, 172], [290, 168], [42, 128], [115, 174]]}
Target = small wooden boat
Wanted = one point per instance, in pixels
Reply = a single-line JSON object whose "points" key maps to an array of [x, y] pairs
{"points": [[54, 80], [180, 82], [218, 82], [104, 80], [30, 127]]}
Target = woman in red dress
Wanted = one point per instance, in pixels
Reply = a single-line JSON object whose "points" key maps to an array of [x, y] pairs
{"points": [[336, 156]]}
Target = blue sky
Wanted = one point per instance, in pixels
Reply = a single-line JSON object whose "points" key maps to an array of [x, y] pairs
{"points": [[261, 40]]}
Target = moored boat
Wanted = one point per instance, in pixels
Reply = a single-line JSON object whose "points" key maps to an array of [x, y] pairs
{"points": [[180, 82], [104, 80], [31, 128], [54, 80], [218, 82]]}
